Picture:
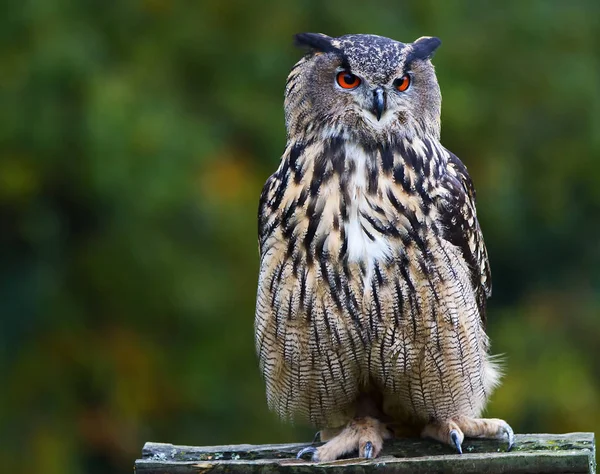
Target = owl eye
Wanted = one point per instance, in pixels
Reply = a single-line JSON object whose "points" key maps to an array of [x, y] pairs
{"points": [[347, 80], [402, 83]]}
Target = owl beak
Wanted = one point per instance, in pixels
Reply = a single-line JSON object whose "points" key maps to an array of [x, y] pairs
{"points": [[378, 102]]}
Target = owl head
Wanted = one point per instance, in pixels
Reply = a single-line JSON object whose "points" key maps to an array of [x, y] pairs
{"points": [[364, 86]]}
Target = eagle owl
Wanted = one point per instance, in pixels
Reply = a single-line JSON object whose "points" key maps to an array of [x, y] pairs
{"points": [[370, 313]]}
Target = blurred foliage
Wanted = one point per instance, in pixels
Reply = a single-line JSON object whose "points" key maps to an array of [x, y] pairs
{"points": [[136, 137]]}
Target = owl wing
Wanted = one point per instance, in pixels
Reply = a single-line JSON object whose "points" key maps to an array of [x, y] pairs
{"points": [[266, 216], [459, 216]]}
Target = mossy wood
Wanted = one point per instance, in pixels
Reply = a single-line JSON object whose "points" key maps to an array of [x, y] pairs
{"points": [[539, 453]]}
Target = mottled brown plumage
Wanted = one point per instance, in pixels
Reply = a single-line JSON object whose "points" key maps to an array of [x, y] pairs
{"points": [[373, 272]]}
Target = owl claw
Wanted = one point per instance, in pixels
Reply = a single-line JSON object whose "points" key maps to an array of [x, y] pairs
{"points": [[369, 450], [310, 449], [510, 435], [456, 440], [317, 437], [454, 431]]}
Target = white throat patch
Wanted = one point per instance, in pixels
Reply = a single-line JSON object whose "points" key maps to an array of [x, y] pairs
{"points": [[361, 247]]}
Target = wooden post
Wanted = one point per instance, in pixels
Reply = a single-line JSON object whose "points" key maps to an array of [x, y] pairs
{"points": [[539, 453]]}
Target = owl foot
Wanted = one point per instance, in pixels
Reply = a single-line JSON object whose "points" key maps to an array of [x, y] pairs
{"points": [[364, 435], [454, 431]]}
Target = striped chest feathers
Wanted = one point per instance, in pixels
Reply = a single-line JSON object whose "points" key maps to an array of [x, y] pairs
{"points": [[367, 214], [365, 243]]}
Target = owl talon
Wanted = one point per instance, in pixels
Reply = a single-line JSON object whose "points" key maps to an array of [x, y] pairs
{"points": [[317, 437], [369, 450], [454, 431], [362, 435], [510, 435], [310, 449], [456, 440]]}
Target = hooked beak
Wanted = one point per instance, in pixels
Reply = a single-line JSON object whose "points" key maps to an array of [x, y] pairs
{"points": [[378, 102]]}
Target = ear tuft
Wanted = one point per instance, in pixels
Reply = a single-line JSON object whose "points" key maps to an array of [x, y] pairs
{"points": [[315, 41], [424, 47]]}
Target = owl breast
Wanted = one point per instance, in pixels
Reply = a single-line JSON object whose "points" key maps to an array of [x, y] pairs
{"points": [[364, 247]]}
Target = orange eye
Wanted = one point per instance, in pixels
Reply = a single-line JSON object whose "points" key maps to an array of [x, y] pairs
{"points": [[347, 80], [402, 83]]}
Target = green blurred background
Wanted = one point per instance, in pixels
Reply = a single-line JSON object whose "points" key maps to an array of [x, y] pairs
{"points": [[135, 139]]}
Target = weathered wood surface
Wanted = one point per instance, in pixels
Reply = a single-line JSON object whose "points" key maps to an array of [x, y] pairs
{"points": [[539, 453]]}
